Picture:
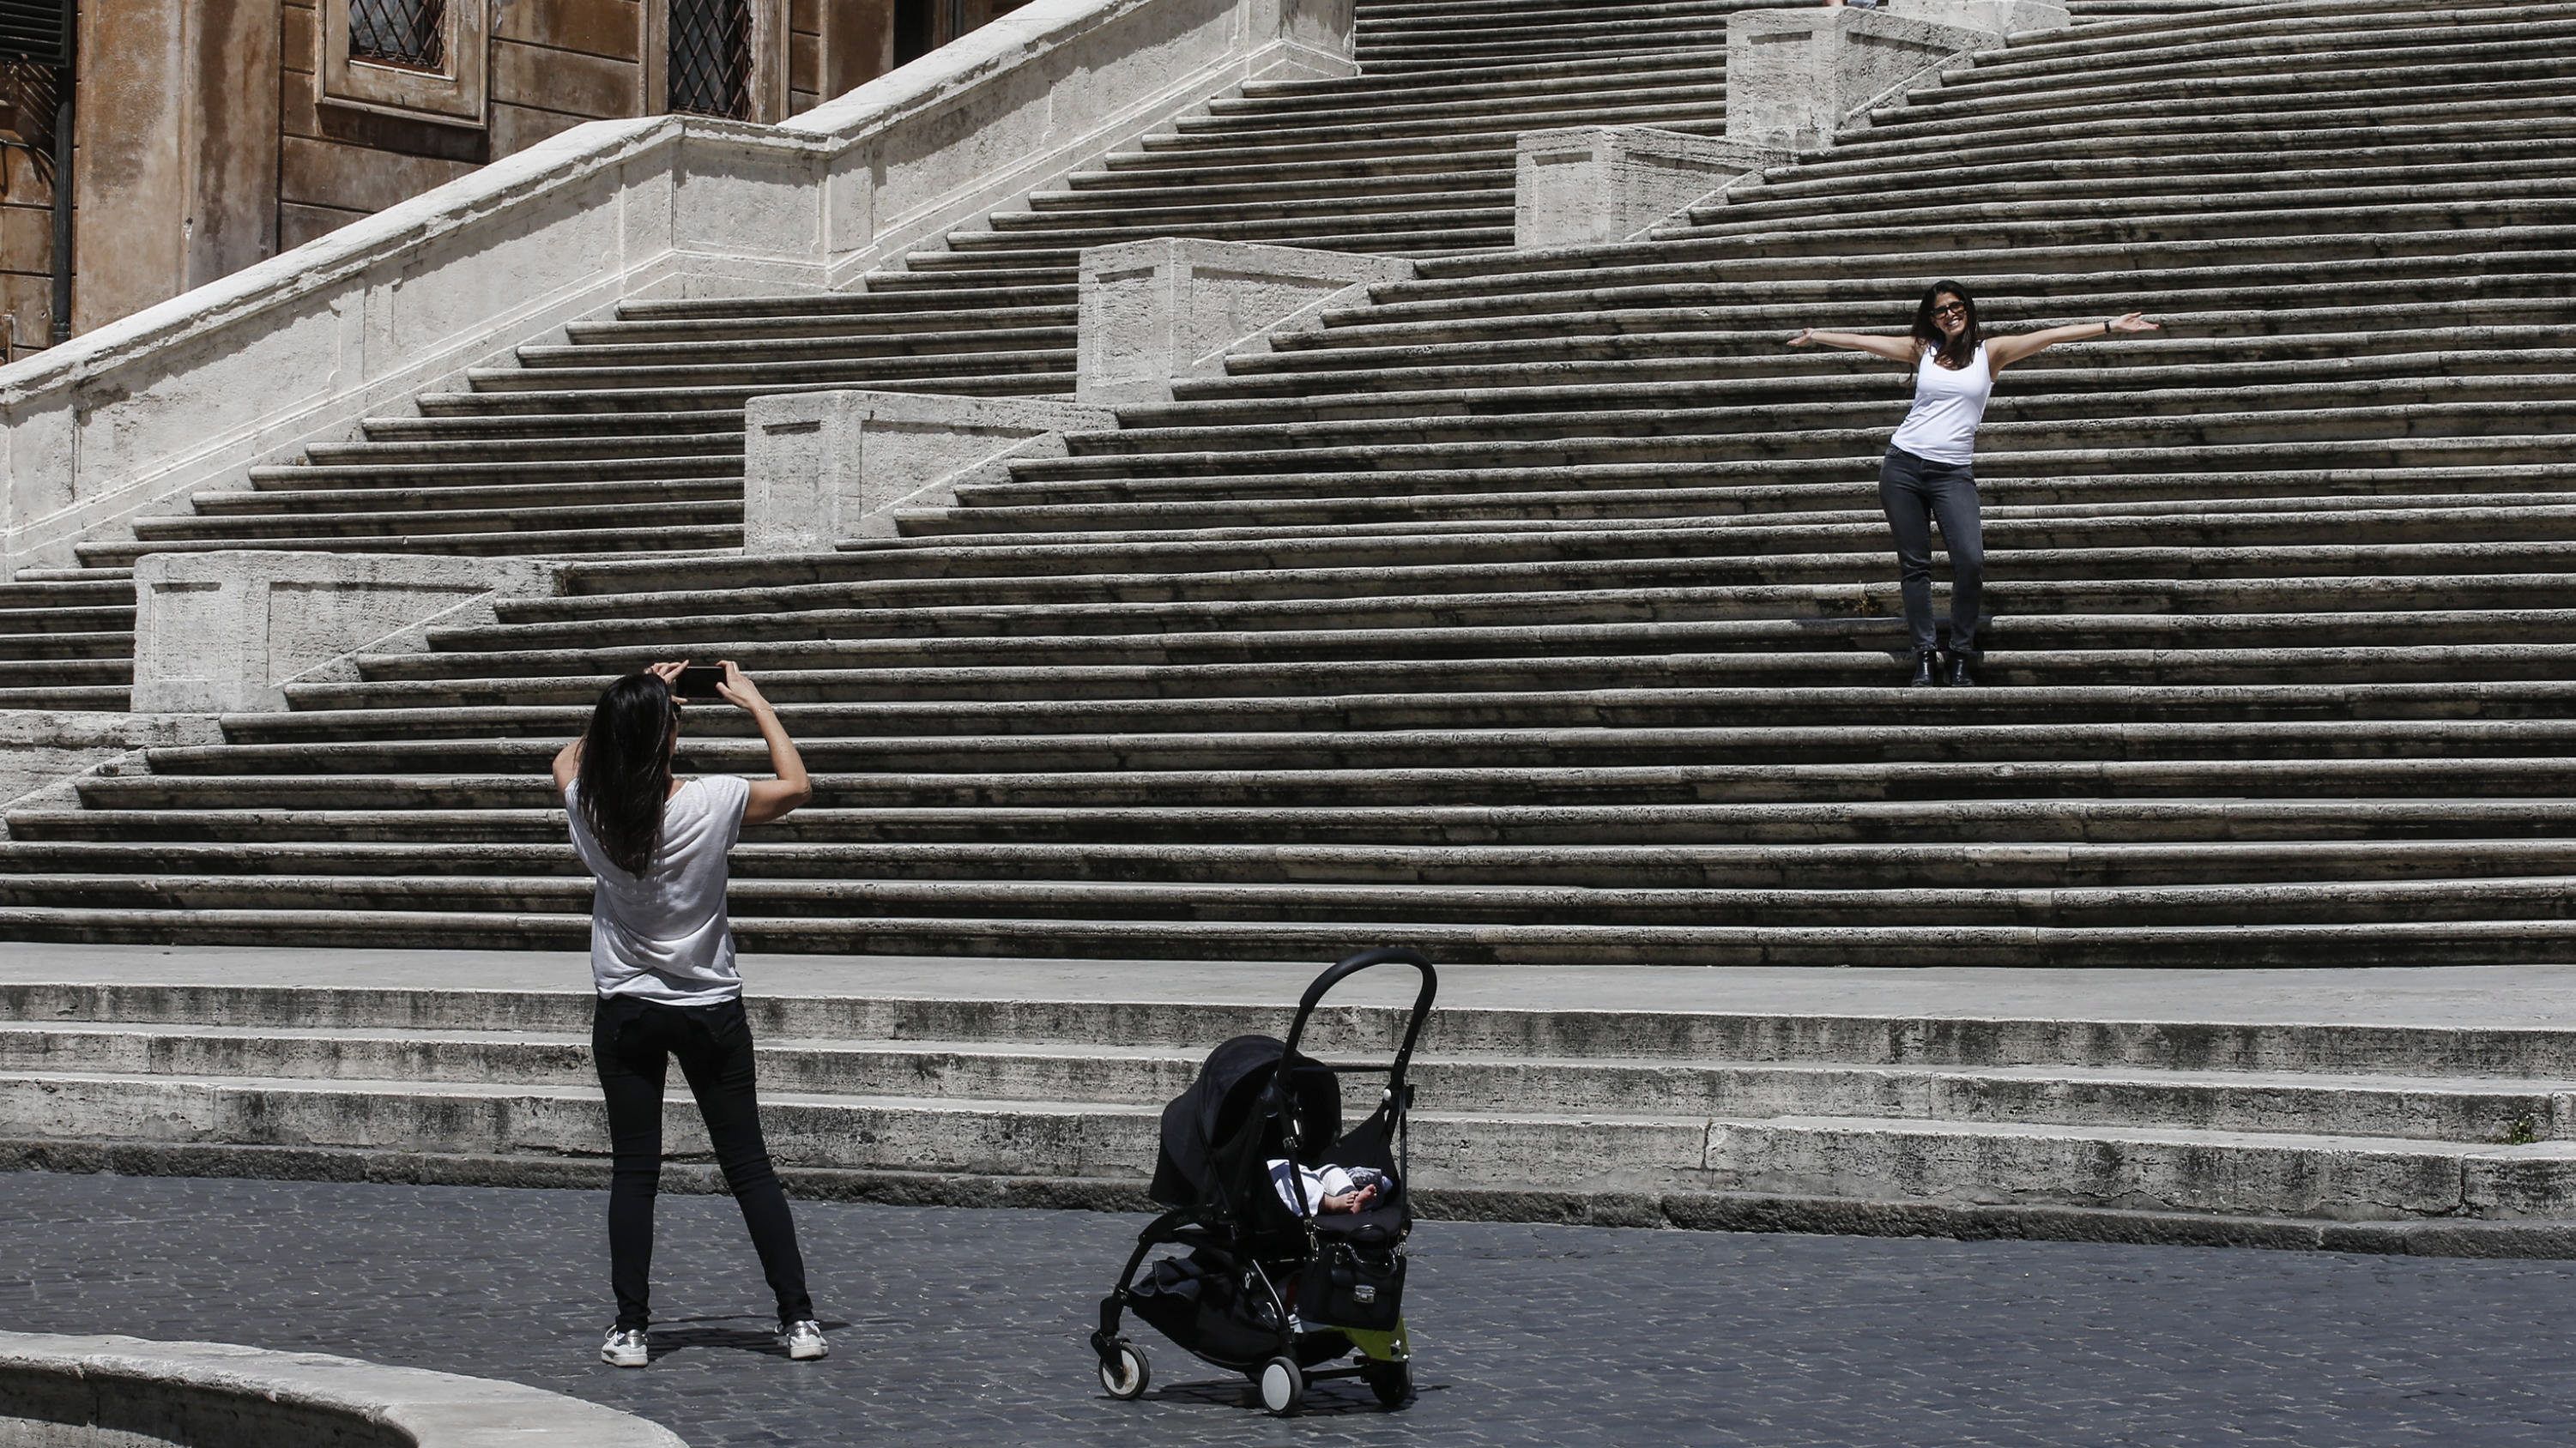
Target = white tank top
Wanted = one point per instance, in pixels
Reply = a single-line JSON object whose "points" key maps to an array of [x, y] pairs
{"points": [[1942, 425], [664, 934]]}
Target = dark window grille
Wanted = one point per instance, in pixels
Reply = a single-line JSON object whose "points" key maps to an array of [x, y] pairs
{"points": [[710, 67], [411, 33], [36, 32]]}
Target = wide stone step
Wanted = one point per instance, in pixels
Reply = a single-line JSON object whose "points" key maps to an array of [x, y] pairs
{"points": [[2067, 378], [661, 538], [1389, 749], [2458, 1109], [117, 644], [2032, 605], [1708, 707], [2491, 903], [468, 496], [833, 347], [478, 682], [639, 401], [2235, 946], [1356, 783], [2434, 157], [2230, 121], [1653, 353], [2245, 78], [435, 520], [2017, 822], [1670, 867], [1624, 68], [72, 697], [1769, 647]]}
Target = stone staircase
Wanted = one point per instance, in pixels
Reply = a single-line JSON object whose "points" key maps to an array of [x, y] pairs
{"points": [[2410, 1134], [1538, 612], [627, 436]]}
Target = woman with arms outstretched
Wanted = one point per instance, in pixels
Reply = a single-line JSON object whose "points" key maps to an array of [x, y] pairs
{"points": [[1927, 475], [662, 957]]}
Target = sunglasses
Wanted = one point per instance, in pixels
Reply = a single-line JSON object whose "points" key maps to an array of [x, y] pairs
{"points": [[1954, 308]]}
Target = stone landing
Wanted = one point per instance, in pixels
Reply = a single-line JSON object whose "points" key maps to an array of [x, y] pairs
{"points": [[2424, 1110]]}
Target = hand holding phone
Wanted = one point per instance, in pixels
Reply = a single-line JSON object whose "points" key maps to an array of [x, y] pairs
{"points": [[699, 683]]}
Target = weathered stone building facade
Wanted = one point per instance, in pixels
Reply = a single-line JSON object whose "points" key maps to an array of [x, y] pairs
{"points": [[210, 134]]}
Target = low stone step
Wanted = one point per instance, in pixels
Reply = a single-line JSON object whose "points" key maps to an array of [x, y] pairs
{"points": [[915, 1133], [2130, 375], [1842, 667], [842, 580], [72, 697], [656, 622], [2457, 1109], [367, 524], [1322, 366], [467, 495], [2232, 946], [20, 647], [1392, 749], [1356, 785], [1710, 707], [609, 353], [418, 475], [533, 542], [1322, 93], [2436, 155], [1939, 822], [1636, 867], [640, 403], [1636, 915], [2171, 1170]]}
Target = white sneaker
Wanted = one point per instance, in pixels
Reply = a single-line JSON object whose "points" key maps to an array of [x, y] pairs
{"points": [[804, 1340], [625, 1348]]}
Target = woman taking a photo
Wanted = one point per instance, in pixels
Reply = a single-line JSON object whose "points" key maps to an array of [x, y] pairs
{"points": [[1927, 476], [662, 956]]}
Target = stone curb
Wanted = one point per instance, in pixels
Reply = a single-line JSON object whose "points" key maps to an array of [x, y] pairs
{"points": [[218, 1395], [1684, 1211]]}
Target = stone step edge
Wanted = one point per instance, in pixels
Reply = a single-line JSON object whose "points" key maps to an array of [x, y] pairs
{"points": [[1117, 1054], [1688, 1211]]}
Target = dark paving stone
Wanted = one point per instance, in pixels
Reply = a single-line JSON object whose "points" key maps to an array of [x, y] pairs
{"points": [[959, 1327]]}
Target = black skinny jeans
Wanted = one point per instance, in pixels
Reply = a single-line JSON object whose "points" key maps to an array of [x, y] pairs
{"points": [[1916, 492], [633, 1041]]}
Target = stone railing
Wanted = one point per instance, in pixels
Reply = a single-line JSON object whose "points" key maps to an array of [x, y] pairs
{"points": [[189, 394]]}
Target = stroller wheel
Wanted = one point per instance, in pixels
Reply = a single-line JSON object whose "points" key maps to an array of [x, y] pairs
{"points": [[1125, 1375], [1392, 1382], [1282, 1385]]}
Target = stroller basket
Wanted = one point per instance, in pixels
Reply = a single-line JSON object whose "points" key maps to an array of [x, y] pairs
{"points": [[1289, 1230]]}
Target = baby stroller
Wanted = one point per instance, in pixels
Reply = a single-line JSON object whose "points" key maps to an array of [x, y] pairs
{"points": [[1268, 1286]]}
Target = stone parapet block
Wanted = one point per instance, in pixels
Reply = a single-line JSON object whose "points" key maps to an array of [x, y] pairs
{"points": [[819, 467], [1169, 308], [57, 1389], [223, 632], [1997, 18], [1793, 77], [43, 750], [1590, 185]]}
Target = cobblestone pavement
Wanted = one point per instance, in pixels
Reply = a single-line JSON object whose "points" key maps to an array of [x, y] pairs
{"points": [[958, 1327]]}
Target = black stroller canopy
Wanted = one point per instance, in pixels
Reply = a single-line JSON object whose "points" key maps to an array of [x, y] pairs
{"points": [[1212, 1130]]}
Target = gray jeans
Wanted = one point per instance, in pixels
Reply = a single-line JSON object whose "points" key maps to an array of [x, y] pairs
{"points": [[1917, 492]]}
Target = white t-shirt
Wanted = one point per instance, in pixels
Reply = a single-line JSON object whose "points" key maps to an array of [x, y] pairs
{"points": [[663, 935], [1948, 404]]}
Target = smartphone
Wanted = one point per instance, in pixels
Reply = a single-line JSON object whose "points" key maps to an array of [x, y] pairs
{"points": [[699, 681]]}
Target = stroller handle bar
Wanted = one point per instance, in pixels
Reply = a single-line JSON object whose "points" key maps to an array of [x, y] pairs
{"points": [[1353, 965]]}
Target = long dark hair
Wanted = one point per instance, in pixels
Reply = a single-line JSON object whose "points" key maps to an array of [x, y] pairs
{"points": [[1971, 337], [626, 769]]}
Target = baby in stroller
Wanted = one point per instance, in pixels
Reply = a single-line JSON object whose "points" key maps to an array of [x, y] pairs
{"points": [[1329, 1188]]}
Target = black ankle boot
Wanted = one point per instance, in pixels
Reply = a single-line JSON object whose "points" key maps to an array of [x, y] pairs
{"points": [[1963, 670], [1927, 669]]}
